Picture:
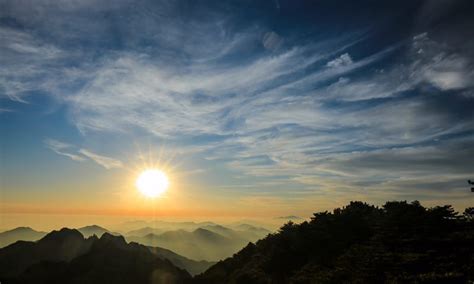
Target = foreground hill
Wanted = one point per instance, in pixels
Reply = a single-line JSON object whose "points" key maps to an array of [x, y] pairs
{"points": [[63, 245], [20, 233], [359, 243], [66, 257]]}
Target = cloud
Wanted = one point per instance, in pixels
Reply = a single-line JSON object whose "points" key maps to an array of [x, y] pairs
{"points": [[63, 149], [106, 162], [343, 60], [132, 91], [448, 157], [5, 110], [309, 115], [271, 40], [441, 66], [32, 65], [81, 155]]}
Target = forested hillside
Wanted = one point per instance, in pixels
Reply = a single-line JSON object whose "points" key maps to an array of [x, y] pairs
{"points": [[397, 243]]}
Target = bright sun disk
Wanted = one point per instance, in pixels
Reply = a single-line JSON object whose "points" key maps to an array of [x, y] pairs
{"points": [[152, 182]]}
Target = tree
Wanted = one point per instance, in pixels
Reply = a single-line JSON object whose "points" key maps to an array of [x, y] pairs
{"points": [[469, 213]]}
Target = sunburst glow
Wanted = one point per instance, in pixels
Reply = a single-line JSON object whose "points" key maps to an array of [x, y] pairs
{"points": [[152, 182]]}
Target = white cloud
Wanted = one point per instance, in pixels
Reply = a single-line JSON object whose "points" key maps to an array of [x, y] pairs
{"points": [[447, 80], [80, 155], [106, 162], [31, 65], [343, 60], [130, 91], [63, 149], [439, 65]]}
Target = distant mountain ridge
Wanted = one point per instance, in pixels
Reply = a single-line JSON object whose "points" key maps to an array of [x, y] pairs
{"points": [[200, 244], [91, 230], [290, 217], [143, 231], [210, 242], [162, 225], [20, 233]]}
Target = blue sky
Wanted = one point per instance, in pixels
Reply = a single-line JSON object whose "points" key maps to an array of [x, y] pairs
{"points": [[302, 103]]}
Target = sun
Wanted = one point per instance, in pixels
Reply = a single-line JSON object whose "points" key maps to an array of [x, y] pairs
{"points": [[152, 182]]}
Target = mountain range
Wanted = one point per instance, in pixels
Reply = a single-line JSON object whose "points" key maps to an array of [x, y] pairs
{"points": [[29, 234], [65, 256], [208, 244]]}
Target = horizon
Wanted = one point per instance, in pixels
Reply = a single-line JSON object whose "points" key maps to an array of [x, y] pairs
{"points": [[115, 222]]}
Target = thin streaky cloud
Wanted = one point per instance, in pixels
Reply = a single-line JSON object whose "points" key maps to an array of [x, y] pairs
{"points": [[63, 149], [80, 155], [106, 162]]}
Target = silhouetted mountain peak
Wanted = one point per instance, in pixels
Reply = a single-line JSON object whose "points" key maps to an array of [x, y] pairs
{"points": [[63, 234], [109, 239], [93, 238], [57, 246]]}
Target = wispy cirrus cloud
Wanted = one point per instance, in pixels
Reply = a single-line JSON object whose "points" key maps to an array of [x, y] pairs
{"points": [[63, 149], [80, 155], [106, 162], [131, 92]]}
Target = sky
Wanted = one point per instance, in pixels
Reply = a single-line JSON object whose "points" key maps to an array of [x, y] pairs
{"points": [[253, 108]]}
